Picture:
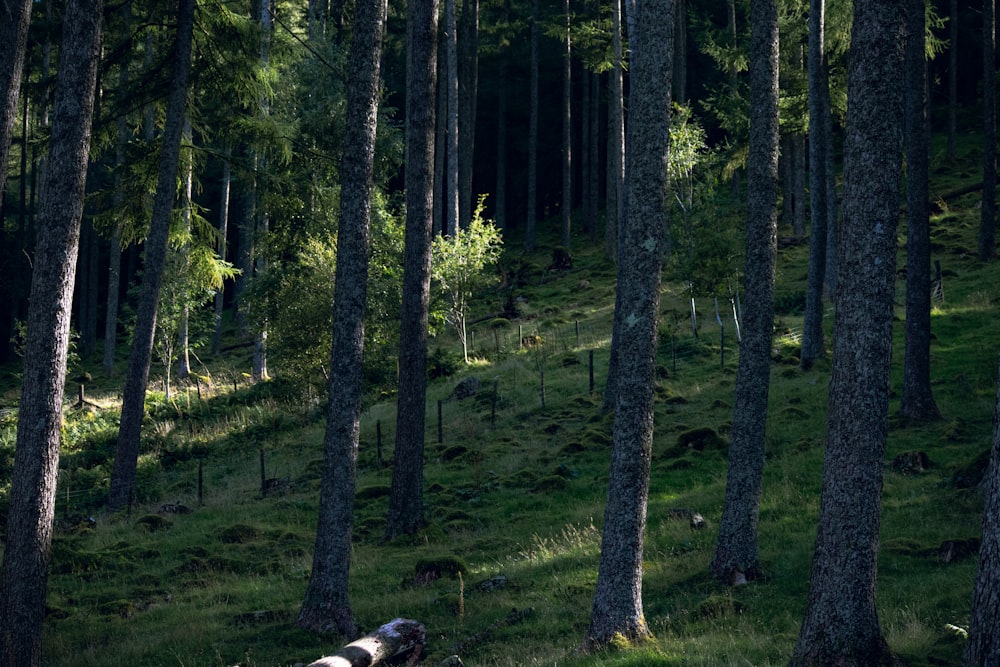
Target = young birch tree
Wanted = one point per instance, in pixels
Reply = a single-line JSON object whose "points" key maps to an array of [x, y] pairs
{"points": [[459, 267]]}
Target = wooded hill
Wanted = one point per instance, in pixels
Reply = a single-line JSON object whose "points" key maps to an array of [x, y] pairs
{"points": [[304, 477], [504, 572]]}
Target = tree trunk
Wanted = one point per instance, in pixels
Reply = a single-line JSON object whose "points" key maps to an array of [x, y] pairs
{"points": [[952, 77], [917, 399], [468, 88], [452, 209], [532, 212], [841, 624], [617, 609], [326, 605], [593, 204], [28, 534], [987, 222], [616, 139], [567, 133], [813, 347], [736, 555], [91, 248], [183, 334], [441, 135], [983, 649], [406, 497], [832, 208], [224, 189], [585, 165], [13, 42], [137, 378], [115, 250], [393, 639], [500, 199], [680, 51]]}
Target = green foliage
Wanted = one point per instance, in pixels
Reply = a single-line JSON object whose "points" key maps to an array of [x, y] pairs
{"points": [[460, 266], [704, 234]]}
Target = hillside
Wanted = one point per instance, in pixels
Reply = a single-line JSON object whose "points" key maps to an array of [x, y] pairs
{"points": [[209, 569]]}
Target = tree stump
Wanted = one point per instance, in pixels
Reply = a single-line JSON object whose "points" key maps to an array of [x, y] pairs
{"points": [[394, 638]]}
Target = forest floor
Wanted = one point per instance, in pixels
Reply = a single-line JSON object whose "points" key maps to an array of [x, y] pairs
{"points": [[211, 565]]}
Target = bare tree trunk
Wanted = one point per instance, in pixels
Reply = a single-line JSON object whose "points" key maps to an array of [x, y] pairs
{"points": [[326, 605], [406, 506], [183, 335], [224, 190], [841, 623], [532, 212], [28, 534], [593, 202], [500, 197], [987, 223], [452, 207], [736, 558], [616, 139], [983, 649], [468, 86], [680, 51], [952, 77], [610, 398], [441, 135], [617, 609], [395, 638], [567, 133], [137, 378], [115, 250], [13, 42], [813, 346], [917, 398]]}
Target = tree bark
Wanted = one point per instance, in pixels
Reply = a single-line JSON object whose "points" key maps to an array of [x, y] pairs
{"points": [[988, 213], [593, 200], [28, 535], [616, 138], [13, 42], [813, 346], [183, 332], [452, 208], [224, 190], [680, 51], [326, 605], [115, 250], [532, 204], [983, 649], [617, 608], [500, 198], [567, 132], [468, 89], [395, 638], [137, 377], [952, 77], [406, 496], [917, 398], [841, 624], [736, 555]]}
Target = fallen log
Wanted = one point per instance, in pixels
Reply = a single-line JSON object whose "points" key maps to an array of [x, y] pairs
{"points": [[396, 637]]}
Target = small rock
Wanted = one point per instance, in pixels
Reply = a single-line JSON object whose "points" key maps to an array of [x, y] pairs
{"points": [[465, 389]]}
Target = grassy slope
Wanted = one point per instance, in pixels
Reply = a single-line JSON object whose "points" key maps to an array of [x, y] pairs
{"points": [[522, 498]]}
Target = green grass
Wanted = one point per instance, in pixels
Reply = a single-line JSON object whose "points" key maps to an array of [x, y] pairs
{"points": [[518, 500]]}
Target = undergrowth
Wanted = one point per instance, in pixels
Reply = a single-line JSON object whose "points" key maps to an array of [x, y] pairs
{"points": [[210, 566]]}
